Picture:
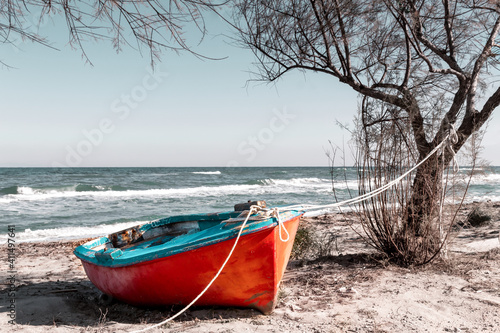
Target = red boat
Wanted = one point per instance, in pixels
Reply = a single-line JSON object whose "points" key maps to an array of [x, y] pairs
{"points": [[171, 260]]}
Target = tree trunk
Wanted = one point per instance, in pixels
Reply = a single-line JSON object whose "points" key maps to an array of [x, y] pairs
{"points": [[423, 205]]}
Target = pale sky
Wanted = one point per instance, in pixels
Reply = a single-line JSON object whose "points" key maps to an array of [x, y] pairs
{"points": [[59, 111]]}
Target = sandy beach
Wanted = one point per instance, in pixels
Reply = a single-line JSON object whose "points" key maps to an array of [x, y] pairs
{"points": [[348, 291]]}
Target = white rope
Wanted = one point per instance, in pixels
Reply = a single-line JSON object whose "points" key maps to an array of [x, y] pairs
{"points": [[375, 192], [451, 139], [444, 253], [252, 209], [281, 225]]}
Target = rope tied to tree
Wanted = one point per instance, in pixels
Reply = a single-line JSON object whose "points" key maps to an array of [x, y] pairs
{"points": [[452, 139], [449, 140]]}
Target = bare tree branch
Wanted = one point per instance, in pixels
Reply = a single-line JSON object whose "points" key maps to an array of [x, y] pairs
{"points": [[153, 24], [420, 65]]}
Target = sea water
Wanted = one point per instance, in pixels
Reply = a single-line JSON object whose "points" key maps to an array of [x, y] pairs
{"points": [[46, 204]]}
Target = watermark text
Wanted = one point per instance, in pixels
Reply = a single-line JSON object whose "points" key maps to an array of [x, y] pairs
{"points": [[11, 274]]}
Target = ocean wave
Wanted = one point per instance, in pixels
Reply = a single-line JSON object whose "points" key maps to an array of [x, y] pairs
{"points": [[474, 198], [9, 190], [328, 211], [90, 188], [267, 186], [486, 179], [98, 188], [297, 182], [206, 172], [29, 191], [29, 195], [69, 233], [26, 190], [296, 185], [80, 232]]}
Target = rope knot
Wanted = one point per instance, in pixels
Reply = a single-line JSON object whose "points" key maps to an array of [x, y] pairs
{"points": [[281, 226]]}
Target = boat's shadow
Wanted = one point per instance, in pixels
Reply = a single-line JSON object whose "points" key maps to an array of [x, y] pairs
{"points": [[79, 303]]}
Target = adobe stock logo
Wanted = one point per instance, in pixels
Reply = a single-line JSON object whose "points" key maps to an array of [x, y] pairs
{"points": [[121, 109], [249, 148]]}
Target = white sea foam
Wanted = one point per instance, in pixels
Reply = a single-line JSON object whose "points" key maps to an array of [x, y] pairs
{"points": [[266, 186], [207, 172], [296, 185], [171, 193], [493, 197], [25, 190], [486, 179], [328, 211], [55, 201], [297, 181], [69, 233]]}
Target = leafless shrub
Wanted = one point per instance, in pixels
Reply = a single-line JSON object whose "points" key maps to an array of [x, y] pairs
{"points": [[310, 245], [426, 68], [409, 222]]}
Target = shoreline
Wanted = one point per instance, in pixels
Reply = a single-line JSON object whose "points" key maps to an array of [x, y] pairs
{"points": [[110, 228], [346, 291]]}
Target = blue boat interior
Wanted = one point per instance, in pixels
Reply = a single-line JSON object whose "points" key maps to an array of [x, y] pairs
{"points": [[172, 235]]}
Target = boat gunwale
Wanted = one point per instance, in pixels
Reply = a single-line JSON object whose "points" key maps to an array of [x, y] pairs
{"points": [[130, 256]]}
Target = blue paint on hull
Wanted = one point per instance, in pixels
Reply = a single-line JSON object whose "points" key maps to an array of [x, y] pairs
{"points": [[170, 236]]}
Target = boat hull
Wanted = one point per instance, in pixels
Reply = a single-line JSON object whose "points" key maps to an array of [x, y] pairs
{"points": [[251, 277]]}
